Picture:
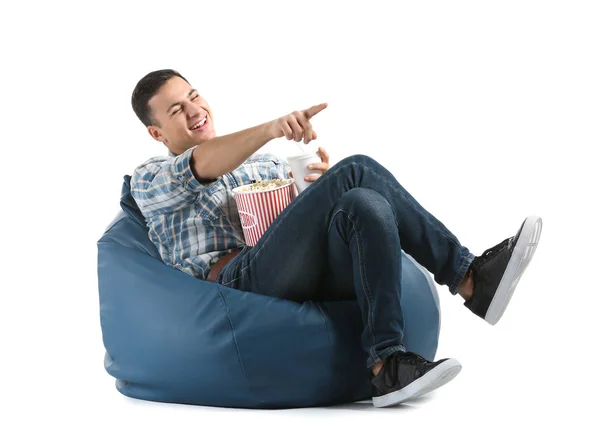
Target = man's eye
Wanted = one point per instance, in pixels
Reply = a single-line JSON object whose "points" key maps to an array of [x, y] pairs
{"points": [[196, 97], [176, 111]]}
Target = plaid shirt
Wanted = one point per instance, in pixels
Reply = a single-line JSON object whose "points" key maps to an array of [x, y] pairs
{"points": [[195, 223]]}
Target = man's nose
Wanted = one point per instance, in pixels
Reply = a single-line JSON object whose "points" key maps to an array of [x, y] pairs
{"points": [[193, 110]]}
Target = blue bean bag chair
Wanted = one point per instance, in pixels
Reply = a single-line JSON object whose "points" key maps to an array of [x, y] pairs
{"points": [[170, 337]]}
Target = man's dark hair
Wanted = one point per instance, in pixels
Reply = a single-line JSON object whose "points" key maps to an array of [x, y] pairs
{"points": [[146, 88]]}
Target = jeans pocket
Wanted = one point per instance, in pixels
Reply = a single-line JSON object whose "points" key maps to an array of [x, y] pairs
{"points": [[230, 272]]}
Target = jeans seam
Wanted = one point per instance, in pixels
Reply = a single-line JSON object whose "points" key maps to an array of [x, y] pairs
{"points": [[233, 261], [332, 218], [231, 281], [364, 284]]}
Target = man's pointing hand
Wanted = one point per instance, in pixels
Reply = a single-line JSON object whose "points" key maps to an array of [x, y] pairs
{"points": [[296, 126]]}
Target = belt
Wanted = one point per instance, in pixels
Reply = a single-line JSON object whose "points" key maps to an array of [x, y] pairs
{"points": [[216, 268]]}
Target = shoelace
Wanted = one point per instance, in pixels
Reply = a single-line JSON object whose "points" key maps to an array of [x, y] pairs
{"points": [[411, 357], [408, 357], [391, 365], [487, 254], [493, 250]]}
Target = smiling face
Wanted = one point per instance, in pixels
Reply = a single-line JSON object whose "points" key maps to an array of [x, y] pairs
{"points": [[181, 117]]}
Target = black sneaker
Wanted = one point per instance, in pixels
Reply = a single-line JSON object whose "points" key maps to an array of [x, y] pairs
{"points": [[498, 270], [405, 375]]}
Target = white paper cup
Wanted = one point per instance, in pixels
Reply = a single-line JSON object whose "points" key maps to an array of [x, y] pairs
{"points": [[258, 209], [298, 164]]}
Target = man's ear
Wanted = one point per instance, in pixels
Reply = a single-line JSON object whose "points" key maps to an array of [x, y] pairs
{"points": [[156, 133]]}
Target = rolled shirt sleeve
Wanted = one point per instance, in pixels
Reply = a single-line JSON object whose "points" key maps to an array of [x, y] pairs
{"points": [[283, 169], [166, 184], [268, 166]]}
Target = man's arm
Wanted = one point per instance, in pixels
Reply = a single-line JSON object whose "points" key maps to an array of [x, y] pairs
{"points": [[221, 155]]}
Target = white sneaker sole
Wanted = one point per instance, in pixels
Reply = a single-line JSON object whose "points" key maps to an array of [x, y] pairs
{"points": [[520, 258], [437, 377]]}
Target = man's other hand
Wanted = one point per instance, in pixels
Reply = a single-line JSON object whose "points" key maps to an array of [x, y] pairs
{"points": [[317, 167]]}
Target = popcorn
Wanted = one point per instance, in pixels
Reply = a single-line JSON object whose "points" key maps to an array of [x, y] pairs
{"points": [[264, 185]]}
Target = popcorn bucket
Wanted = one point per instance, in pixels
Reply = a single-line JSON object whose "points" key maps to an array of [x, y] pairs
{"points": [[259, 207]]}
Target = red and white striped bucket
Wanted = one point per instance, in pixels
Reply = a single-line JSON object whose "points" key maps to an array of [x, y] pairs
{"points": [[258, 209]]}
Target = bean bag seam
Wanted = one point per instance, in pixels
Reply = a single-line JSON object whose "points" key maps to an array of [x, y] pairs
{"points": [[131, 248], [318, 305], [235, 342]]}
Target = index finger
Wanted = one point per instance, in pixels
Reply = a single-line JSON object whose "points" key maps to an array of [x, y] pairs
{"points": [[314, 110]]}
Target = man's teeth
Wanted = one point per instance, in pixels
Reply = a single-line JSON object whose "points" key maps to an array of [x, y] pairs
{"points": [[200, 123]]}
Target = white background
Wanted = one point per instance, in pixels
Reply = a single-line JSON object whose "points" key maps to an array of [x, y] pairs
{"points": [[485, 111]]}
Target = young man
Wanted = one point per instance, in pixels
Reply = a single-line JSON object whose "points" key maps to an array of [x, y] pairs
{"points": [[341, 237]]}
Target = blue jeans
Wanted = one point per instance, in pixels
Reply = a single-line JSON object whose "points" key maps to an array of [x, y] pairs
{"points": [[341, 239]]}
